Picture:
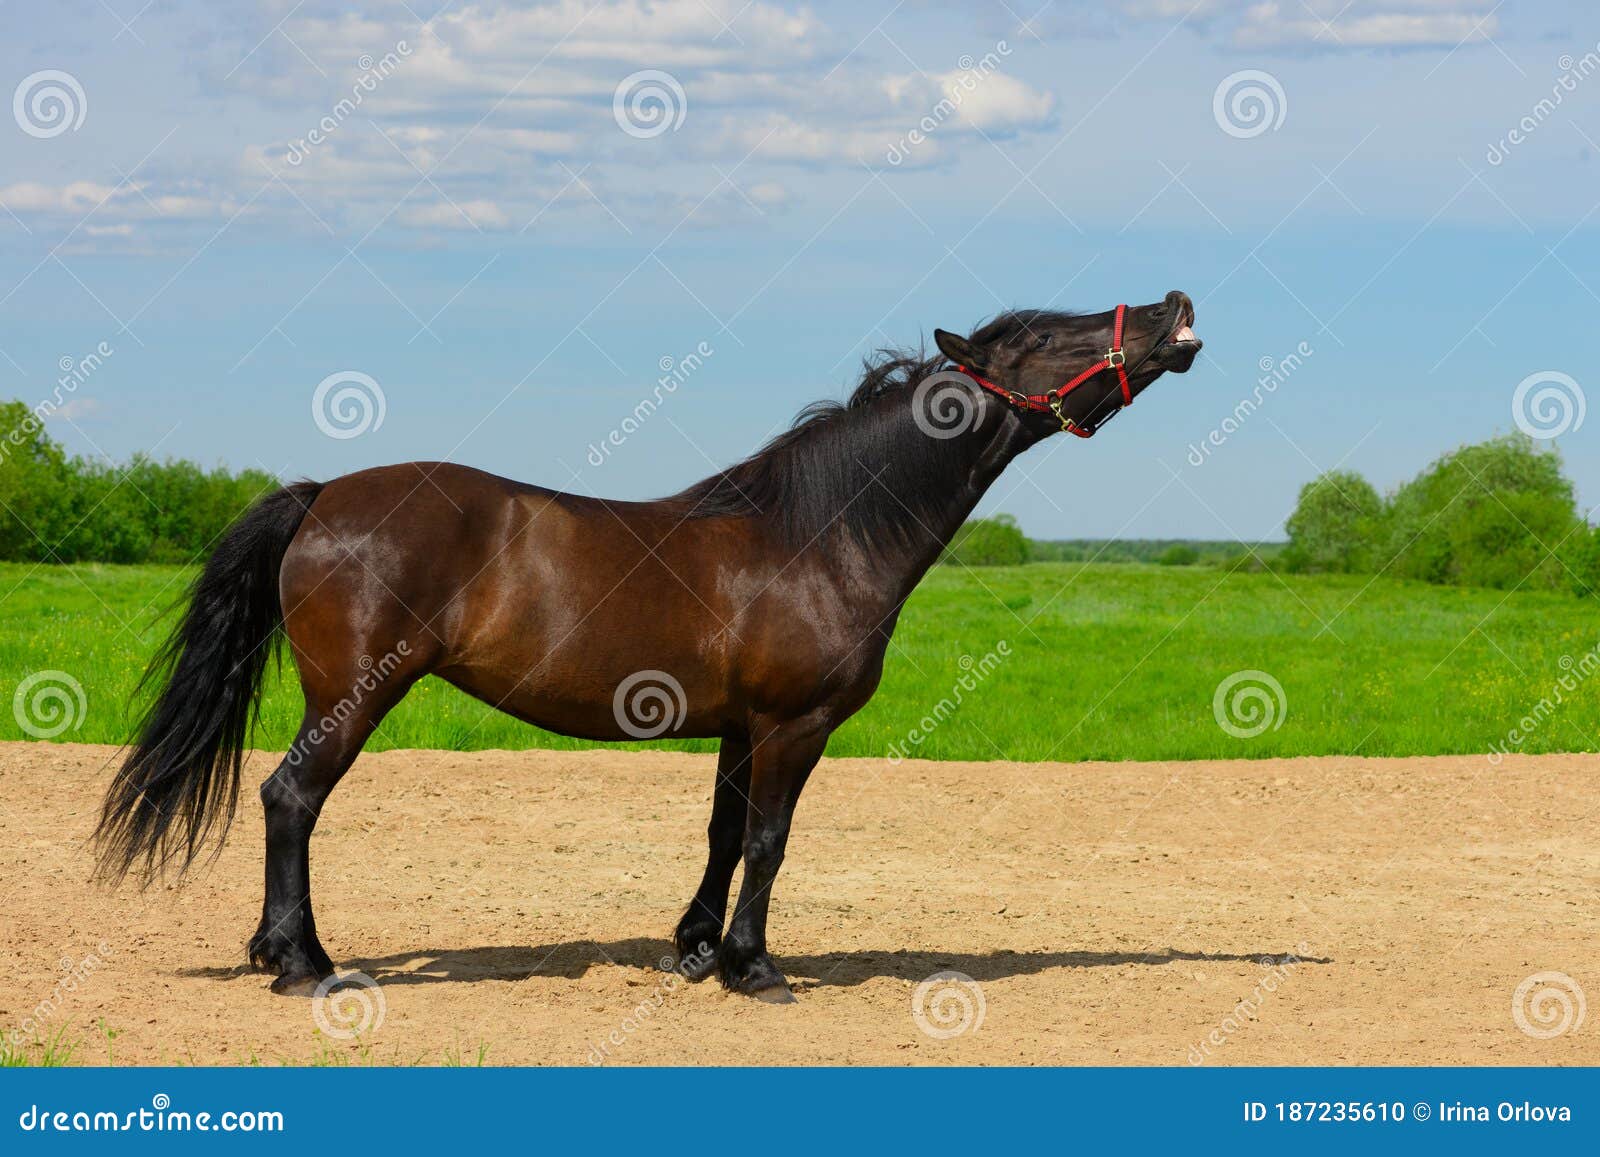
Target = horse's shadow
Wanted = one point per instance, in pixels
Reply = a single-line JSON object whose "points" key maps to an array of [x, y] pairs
{"points": [[572, 959]]}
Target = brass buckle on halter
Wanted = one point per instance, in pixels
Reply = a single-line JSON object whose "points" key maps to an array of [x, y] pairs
{"points": [[1115, 358], [1055, 408]]}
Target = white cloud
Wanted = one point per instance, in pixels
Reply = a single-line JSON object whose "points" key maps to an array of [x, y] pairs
{"points": [[77, 197], [497, 104], [780, 136], [480, 214], [480, 119], [76, 409], [566, 49], [111, 206], [857, 121], [1418, 24], [1328, 24], [996, 103], [1171, 9], [769, 194]]}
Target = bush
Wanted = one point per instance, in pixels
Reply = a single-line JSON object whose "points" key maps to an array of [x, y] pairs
{"points": [[59, 509], [1496, 514], [1336, 525], [996, 541], [1486, 515], [1581, 554], [1178, 555]]}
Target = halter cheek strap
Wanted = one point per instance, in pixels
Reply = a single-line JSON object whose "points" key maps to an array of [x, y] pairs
{"points": [[1115, 359]]}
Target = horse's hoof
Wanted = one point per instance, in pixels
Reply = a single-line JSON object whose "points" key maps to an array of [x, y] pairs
{"points": [[695, 952], [756, 976], [696, 967], [302, 986]]}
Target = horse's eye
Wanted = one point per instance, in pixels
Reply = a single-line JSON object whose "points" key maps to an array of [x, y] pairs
{"points": [[1044, 340]]}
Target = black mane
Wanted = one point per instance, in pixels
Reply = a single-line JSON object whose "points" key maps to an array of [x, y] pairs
{"points": [[859, 464]]}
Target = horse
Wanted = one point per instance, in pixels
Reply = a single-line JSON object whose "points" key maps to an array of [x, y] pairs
{"points": [[755, 607]]}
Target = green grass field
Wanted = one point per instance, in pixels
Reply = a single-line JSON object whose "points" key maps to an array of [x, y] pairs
{"points": [[1105, 662]]}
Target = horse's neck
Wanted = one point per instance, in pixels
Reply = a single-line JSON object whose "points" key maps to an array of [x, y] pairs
{"points": [[991, 452]]}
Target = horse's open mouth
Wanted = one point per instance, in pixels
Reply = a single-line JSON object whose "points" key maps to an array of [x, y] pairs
{"points": [[1177, 353]]}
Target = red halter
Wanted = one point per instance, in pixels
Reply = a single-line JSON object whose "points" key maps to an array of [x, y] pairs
{"points": [[1115, 359]]}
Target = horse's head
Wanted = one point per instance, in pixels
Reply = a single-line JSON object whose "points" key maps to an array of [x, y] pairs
{"points": [[1076, 370]]}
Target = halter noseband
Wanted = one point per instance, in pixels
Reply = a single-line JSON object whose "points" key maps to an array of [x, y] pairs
{"points": [[1115, 359]]}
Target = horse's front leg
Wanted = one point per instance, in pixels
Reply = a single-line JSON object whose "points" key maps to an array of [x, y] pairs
{"points": [[781, 760], [700, 931]]}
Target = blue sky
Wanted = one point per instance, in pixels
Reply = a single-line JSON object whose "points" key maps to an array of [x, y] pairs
{"points": [[510, 250]]}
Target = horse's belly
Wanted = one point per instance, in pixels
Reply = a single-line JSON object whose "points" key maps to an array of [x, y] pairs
{"points": [[642, 703]]}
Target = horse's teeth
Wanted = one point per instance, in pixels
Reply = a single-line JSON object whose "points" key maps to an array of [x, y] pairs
{"points": [[1184, 334]]}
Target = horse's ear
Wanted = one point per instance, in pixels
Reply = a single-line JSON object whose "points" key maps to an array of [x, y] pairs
{"points": [[957, 349]]}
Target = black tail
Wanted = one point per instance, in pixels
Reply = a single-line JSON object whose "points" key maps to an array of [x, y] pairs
{"points": [[180, 784]]}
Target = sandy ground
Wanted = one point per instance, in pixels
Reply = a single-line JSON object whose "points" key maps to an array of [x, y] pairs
{"points": [[1370, 911]]}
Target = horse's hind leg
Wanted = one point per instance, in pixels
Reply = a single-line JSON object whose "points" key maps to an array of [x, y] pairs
{"points": [[331, 736], [286, 942], [700, 931]]}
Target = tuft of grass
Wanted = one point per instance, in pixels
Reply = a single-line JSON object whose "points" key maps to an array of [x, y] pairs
{"points": [[52, 1052], [329, 1056], [109, 1035], [455, 1059], [1107, 661]]}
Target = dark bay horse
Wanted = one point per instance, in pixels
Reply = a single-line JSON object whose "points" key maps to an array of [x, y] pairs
{"points": [[754, 607]]}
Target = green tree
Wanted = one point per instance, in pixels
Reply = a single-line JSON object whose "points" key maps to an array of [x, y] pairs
{"points": [[34, 476], [1581, 554], [186, 508], [996, 541], [1336, 525], [1495, 514], [59, 509]]}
